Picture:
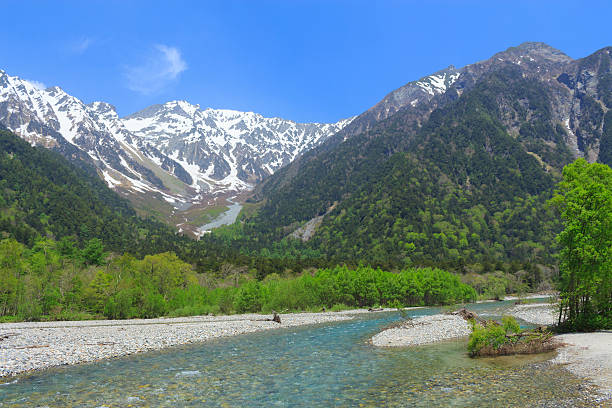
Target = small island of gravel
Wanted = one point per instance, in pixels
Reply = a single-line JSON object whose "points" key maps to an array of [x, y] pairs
{"points": [[423, 330]]}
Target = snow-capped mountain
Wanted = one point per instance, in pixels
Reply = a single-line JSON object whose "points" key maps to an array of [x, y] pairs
{"points": [[416, 92], [175, 151], [224, 148]]}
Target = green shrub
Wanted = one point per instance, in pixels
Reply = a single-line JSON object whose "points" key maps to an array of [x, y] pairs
{"points": [[338, 307], [510, 325], [250, 297], [51, 299], [493, 336], [226, 300], [119, 306], [154, 305]]}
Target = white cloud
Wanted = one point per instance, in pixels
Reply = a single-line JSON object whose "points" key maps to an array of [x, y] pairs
{"points": [[80, 46], [161, 67], [37, 84]]}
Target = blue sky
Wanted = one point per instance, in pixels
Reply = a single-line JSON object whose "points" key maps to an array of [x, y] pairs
{"points": [[317, 60]]}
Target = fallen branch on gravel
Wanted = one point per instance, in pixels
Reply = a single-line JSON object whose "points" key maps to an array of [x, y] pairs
{"points": [[102, 343], [275, 318], [469, 316], [31, 347]]}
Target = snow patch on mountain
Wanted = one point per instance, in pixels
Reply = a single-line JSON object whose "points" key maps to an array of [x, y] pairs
{"points": [[438, 83]]}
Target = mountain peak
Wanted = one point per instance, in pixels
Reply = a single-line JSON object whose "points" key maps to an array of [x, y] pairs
{"points": [[537, 52], [183, 104], [197, 152], [100, 106], [535, 45]]}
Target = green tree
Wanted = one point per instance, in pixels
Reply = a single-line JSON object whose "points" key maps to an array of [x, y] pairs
{"points": [[584, 198], [93, 253]]}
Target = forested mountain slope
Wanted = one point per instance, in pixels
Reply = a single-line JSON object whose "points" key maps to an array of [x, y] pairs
{"points": [[460, 179], [421, 97], [42, 194]]}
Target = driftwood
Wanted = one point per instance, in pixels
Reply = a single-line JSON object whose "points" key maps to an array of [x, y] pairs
{"points": [[31, 347], [469, 315], [521, 334], [7, 335], [275, 318], [380, 309]]}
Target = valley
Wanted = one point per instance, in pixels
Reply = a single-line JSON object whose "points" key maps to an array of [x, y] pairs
{"points": [[420, 214]]}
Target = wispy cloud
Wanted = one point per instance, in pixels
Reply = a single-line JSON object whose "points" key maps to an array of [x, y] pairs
{"points": [[37, 84], [82, 45], [160, 68]]}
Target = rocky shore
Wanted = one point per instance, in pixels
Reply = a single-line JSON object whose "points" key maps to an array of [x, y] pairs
{"points": [[536, 313], [32, 346], [37, 345], [423, 330], [588, 355]]}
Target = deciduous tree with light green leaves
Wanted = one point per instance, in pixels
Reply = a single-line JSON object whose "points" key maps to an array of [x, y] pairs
{"points": [[584, 198]]}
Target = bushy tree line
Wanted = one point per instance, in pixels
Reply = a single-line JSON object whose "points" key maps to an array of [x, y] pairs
{"points": [[56, 280], [60, 281], [359, 287]]}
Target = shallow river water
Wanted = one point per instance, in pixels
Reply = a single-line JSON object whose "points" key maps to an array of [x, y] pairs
{"points": [[320, 365]]}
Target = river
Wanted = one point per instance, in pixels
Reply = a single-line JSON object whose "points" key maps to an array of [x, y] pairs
{"points": [[226, 218], [310, 366]]}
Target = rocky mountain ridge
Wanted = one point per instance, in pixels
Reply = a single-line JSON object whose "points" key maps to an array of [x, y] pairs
{"points": [[176, 151], [574, 86]]}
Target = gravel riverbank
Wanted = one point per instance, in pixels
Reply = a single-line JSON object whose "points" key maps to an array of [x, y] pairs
{"points": [[537, 313], [423, 330], [588, 355], [37, 345]]}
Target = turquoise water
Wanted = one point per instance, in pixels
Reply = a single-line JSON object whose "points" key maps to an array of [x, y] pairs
{"points": [[320, 365]]}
